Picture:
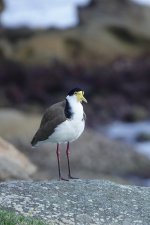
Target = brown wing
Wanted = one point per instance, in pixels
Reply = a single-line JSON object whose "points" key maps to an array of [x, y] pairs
{"points": [[53, 116]]}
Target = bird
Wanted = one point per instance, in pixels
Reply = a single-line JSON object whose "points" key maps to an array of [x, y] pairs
{"points": [[62, 123]]}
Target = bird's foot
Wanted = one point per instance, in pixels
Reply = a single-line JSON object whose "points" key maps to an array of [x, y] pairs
{"points": [[73, 178], [62, 178]]}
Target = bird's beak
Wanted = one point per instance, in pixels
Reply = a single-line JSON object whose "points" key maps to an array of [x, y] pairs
{"points": [[84, 99], [80, 96]]}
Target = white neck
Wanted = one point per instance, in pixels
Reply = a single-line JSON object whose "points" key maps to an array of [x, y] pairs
{"points": [[76, 107]]}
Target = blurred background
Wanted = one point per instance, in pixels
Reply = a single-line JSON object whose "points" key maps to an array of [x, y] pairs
{"points": [[49, 47]]}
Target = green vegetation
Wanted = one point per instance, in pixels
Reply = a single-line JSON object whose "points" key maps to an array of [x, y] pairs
{"points": [[10, 218]]}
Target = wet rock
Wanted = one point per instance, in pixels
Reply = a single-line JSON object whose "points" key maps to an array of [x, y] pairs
{"points": [[78, 202], [134, 114], [142, 137], [2, 5], [14, 164]]}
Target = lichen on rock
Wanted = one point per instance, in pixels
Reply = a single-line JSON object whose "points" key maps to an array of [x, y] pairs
{"points": [[78, 202]]}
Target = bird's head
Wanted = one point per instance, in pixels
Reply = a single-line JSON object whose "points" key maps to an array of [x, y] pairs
{"points": [[78, 94]]}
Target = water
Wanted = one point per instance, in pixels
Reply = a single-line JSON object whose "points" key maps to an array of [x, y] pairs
{"points": [[44, 14], [142, 2], [41, 14], [129, 132]]}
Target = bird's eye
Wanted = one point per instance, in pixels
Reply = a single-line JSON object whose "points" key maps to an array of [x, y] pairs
{"points": [[75, 92]]}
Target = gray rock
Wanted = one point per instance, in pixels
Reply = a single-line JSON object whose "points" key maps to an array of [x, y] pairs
{"points": [[13, 163], [79, 202]]}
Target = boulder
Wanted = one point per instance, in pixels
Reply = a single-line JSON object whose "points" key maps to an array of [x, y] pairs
{"points": [[1, 5], [17, 124], [78, 202], [14, 164]]}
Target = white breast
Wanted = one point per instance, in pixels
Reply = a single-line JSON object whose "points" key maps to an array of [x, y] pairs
{"points": [[68, 131], [72, 128]]}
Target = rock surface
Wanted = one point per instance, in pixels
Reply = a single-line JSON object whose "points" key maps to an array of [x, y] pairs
{"points": [[14, 164], [78, 202]]}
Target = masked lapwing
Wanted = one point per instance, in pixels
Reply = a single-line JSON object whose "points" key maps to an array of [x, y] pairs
{"points": [[63, 122]]}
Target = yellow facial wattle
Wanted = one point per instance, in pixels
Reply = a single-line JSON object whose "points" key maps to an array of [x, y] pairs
{"points": [[80, 96]]}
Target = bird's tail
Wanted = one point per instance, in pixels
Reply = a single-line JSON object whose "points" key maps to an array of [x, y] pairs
{"points": [[33, 142]]}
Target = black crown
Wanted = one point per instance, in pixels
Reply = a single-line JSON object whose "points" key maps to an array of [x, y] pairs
{"points": [[73, 91]]}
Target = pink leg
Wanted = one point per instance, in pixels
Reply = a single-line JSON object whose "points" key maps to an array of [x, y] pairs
{"points": [[58, 160], [68, 154]]}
